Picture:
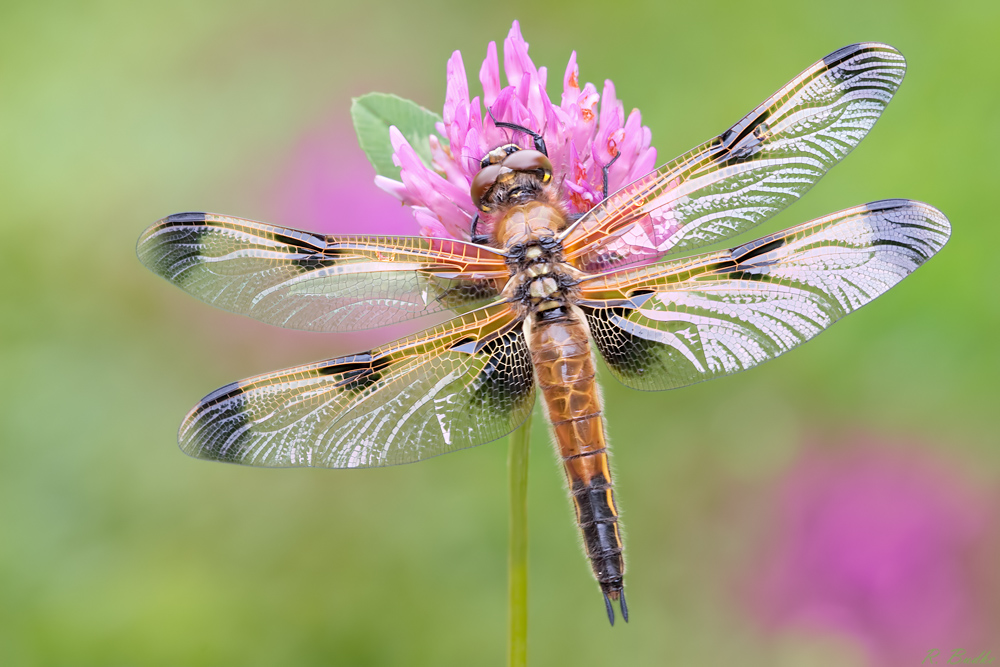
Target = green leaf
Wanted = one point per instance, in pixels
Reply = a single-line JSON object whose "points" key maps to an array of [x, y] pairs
{"points": [[375, 112]]}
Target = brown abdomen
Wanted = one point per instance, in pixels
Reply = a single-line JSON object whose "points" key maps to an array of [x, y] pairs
{"points": [[564, 369]]}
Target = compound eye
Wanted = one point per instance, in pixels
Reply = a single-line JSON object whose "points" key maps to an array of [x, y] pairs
{"points": [[530, 161], [481, 185]]}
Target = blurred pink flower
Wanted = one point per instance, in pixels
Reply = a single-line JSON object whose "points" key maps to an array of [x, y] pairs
{"points": [[327, 187], [580, 140], [879, 544]]}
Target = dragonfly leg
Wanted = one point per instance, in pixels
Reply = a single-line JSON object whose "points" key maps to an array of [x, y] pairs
{"points": [[604, 173], [479, 239]]}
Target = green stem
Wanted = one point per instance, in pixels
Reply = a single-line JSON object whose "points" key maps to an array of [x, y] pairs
{"points": [[517, 557]]}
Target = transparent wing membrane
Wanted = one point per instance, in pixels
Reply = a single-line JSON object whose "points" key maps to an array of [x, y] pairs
{"points": [[676, 323], [313, 282], [749, 172], [463, 383]]}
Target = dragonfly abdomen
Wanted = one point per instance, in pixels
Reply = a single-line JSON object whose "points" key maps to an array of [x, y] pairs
{"points": [[564, 369]]}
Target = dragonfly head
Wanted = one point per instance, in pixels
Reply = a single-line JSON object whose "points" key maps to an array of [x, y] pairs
{"points": [[510, 176]]}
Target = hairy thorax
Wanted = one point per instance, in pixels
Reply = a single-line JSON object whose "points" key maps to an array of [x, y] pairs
{"points": [[541, 281]]}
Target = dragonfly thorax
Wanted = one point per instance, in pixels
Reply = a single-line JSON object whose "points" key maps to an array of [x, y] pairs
{"points": [[540, 280], [530, 222]]}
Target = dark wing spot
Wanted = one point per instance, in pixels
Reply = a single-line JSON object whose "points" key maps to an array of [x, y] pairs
{"points": [[356, 372], [840, 55], [756, 249], [628, 355], [746, 276], [721, 267], [303, 245], [507, 380], [186, 218]]}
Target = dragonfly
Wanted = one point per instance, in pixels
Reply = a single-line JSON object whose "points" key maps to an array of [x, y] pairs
{"points": [[530, 303]]}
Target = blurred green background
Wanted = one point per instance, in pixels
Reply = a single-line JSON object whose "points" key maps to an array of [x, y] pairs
{"points": [[116, 549]]}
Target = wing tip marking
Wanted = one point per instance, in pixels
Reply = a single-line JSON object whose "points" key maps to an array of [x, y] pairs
{"points": [[185, 218], [845, 53]]}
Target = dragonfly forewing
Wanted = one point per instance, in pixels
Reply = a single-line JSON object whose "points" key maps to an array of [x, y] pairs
{"points": [[313, 282], [748, 173]]}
